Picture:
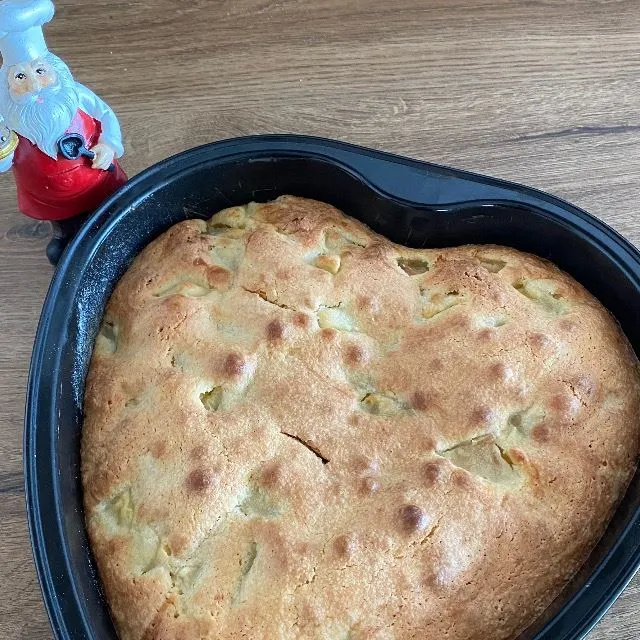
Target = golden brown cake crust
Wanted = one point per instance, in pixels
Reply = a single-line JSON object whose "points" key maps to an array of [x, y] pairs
{"points": [[298, 429]]}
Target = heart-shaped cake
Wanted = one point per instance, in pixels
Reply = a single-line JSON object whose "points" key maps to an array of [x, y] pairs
{"points": [[296, 428]]}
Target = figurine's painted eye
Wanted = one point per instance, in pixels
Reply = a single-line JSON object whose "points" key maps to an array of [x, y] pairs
{"points": [[41, 71], [21, 76]]}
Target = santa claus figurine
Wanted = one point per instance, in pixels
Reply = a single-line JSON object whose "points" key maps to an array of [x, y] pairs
{"points": [[61, 140]]}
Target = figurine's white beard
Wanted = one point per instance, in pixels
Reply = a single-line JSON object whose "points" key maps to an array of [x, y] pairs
{"points": [[43, 117]]}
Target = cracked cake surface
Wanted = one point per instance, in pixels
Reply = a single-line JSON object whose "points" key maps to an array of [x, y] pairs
{"points": [[295, 428]]}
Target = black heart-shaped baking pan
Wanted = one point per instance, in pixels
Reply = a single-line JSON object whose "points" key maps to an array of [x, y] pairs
{"points": [[410, 202]]}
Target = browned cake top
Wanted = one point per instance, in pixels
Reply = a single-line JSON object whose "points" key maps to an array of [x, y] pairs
{"points": [[298, 429]]}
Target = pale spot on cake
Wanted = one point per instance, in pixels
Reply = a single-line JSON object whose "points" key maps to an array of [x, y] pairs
{"points": [[413, 266], [335, 318], [490, 322], [545, 293], [167, 549], [212, 399], [215, 275], [329, 263], [484, 457], [492, 265], [527, 419], [437, 302], [185, 288], [146, 549], [246, 565], [132, 403], [379, 404], [178, 360], [117, 513], [339, 240], [227, 252], [230, 218], [258, 503], [107, 339], [185, 578], [614, 401]]}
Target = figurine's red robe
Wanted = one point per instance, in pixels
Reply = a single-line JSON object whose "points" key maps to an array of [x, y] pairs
{"points": [[51, 189]]}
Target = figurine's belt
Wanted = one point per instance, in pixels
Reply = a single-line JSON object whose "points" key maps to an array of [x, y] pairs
{"points": [[10, 147]]}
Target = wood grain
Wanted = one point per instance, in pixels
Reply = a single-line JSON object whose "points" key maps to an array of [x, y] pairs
{"points": [[542, 92]]}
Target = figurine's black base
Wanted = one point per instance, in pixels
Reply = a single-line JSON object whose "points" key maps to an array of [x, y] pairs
{"points": [[63, 232], [55, 249]]}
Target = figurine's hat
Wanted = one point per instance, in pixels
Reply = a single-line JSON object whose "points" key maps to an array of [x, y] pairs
{"points": [[21, 36]]}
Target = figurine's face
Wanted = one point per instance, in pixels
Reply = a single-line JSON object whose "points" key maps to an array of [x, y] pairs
{"points": [[29, 78], [38, 100]]}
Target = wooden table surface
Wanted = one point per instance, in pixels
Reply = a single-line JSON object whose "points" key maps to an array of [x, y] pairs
{"points": [[542, 92]]}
